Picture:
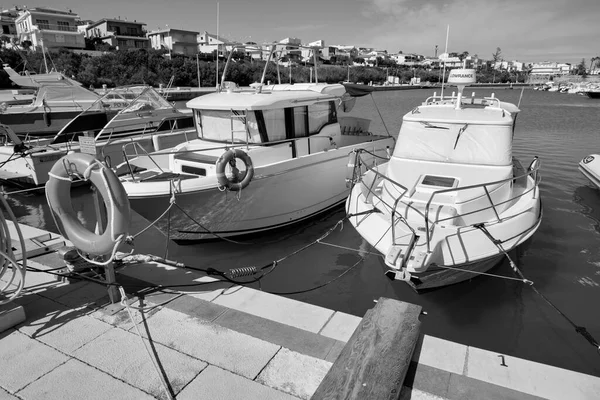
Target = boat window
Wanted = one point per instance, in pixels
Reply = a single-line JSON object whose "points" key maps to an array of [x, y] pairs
{"points": [[300, 114], [227, 125], [319, 115], [176, 123], [275, 124]]}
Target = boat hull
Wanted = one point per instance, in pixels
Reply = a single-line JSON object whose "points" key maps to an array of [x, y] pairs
{"points": [[279, 195]]}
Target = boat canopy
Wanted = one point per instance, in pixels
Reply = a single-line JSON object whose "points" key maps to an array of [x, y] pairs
{"points": [[63, 95], [457, 136]]}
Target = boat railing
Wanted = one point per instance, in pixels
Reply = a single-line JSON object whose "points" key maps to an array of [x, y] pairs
{"points": [[136, 145], [532, 171], [490, 101]]}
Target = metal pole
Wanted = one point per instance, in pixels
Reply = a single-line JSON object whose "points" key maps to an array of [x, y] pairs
{"points": [[198, 69], [218, 47]]}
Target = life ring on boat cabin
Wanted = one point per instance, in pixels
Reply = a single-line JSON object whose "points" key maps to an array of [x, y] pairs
{"points": [[237, 183], [58, 194]]}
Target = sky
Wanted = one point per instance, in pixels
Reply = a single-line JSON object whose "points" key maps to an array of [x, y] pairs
{"points": [[524, 30]]}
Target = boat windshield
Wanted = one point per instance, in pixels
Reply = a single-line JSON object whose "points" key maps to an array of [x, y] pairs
{"points": [[227, 126]]}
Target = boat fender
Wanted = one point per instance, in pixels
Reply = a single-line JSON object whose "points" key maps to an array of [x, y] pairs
{"points": [[353, 161], [47, 118], [237, 183], [58, 194]]}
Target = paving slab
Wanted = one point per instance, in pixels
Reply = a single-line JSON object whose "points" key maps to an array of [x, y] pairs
{"points": [[461, 387], [341, 326], [294, 373], [197, 308], [441, 354], [45, 315], [87, 383], [122, 354], [531, 377], [83, 296], [225, 348], [276, 308], [415, 394], [4, 395], [217, 384], [73, 334], [23, 360], [295, 339]]}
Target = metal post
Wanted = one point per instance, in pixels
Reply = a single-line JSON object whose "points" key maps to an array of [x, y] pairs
{"points": [[109, 270]]}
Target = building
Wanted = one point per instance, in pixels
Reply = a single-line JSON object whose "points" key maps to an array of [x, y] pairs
{"points": [[545, 69], [290, 50], [324, 52], [407, 59], [119, 33], [208, 43], [176, 41], [50, 28], [9, 27]]}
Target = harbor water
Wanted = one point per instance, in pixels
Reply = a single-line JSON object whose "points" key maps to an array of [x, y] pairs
{"points": [[498, 314]]}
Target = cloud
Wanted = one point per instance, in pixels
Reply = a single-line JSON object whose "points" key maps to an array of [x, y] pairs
{"points": [[524, 29]]}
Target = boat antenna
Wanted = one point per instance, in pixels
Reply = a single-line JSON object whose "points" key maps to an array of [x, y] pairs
{"points": [[218, 48], [520, 97], [445, 52]]}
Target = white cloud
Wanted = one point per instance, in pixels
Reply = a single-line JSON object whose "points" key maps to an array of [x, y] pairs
{"points": [[524, 29]]}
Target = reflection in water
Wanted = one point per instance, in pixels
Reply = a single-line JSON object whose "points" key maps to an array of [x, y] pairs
{"points": [[506, 316]]}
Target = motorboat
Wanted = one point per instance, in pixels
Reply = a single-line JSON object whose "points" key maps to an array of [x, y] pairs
{"points": [[590, 168], [52, 108], [27, 79], [266, 157], [148, 123], [452, 200]]}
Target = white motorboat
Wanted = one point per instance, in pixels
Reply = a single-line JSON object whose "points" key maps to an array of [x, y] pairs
{"points": [[452, 199], [282, 148], [590, 168], [148, 123]]}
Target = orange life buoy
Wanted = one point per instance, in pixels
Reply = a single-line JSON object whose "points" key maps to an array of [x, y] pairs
{"points": [[237, 183], [58, 193]]}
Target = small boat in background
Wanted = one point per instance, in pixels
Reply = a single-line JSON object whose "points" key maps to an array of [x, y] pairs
{"points": [[593, 94], [590, 168], [452, 199], [148, 123]]}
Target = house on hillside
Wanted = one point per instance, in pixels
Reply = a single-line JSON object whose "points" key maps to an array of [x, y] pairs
{"points": [[208, 43], [43, 26], [176, 41], [8, 25], [119, 33]]}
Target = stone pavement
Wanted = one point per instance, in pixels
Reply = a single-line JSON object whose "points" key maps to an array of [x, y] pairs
{"points": [[218, 341]]}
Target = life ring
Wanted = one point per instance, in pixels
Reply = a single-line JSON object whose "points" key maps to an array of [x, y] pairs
{"points": [[237, 183], [58, 194]]}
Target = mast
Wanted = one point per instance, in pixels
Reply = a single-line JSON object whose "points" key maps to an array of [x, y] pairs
{"points": [[446, 51], [218, 47]]}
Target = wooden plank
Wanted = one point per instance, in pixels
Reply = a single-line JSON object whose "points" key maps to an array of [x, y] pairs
{"points": [[374, 362], [36, 246]]}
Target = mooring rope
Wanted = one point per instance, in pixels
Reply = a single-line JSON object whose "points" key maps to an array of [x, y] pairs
{"points": [[579, 329]]}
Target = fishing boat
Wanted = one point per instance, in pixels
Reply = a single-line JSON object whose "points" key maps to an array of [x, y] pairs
{"points": [[590, 168], [148, 122], [267, 156], [452, 200]]}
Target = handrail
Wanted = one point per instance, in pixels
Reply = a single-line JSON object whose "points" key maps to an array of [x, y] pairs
{"points": [[126, 157], [533, 172]]}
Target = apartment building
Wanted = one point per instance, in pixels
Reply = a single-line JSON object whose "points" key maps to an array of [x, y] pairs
{"points": [[176, 41], [49, 28], [121, 34]]}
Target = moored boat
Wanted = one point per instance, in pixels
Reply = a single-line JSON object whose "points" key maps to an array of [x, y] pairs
{"points": [[148, 123], [452, 200], [590, 168], [281, 148]]}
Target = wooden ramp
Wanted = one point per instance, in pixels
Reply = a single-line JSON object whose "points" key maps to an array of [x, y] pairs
{"points": [[374, 362]]}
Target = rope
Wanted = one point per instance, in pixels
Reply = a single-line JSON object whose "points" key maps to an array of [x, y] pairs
{"points": [[380, 116], [351, 249], [7, 257], [579, 329], [153, 358]]}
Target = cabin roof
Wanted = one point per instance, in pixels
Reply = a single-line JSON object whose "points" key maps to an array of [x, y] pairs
{"points": [[271, 97], [446, 113]]}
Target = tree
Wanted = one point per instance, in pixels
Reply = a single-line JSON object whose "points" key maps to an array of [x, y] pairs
{"points": [[581, 69], [497, 56], [463, 55]]}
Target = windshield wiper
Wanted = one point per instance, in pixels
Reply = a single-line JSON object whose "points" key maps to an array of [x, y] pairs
{"points": [[460, 131]]}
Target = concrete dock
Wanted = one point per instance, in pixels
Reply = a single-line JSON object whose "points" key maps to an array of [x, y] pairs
{"points": [[222, 341]]}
